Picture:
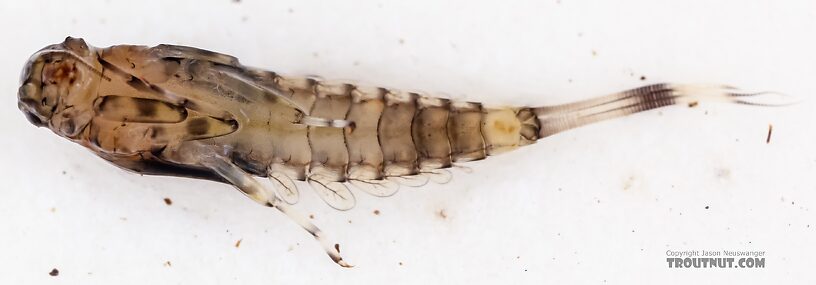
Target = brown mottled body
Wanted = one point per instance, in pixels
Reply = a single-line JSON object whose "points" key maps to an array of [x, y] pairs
{"points": [[394, 133], [181, 111]]}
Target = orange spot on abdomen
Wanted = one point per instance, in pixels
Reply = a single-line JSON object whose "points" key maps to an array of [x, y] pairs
{"points": [[504, 127]]}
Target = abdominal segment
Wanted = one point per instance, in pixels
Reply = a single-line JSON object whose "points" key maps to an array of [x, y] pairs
{"points": [[329, 152]]}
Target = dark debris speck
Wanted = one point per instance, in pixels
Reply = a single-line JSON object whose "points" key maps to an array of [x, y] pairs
{"points": [[770, 130]]}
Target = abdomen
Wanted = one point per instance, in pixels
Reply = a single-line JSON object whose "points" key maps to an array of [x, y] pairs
{"points": [[393, 133]]}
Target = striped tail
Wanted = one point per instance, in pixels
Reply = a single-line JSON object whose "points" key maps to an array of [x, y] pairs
{"points": [[558, 118]]}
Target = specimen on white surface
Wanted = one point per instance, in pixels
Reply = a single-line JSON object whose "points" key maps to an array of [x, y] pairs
{"points": [[182, 111]]}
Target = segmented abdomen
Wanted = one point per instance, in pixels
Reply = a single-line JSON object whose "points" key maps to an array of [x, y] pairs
{"points": [[393, 133]]}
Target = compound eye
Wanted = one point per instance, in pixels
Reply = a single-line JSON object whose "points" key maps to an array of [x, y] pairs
{"points": [[33, 119], [26, 73], [77, 45]]}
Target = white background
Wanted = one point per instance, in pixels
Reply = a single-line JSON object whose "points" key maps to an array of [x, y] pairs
{"points": [[596, 205]]}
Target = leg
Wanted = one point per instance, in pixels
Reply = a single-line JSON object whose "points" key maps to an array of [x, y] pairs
{"points": [[247, 184]]}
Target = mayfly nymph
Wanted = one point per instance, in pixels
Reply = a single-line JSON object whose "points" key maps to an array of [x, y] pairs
{"points": [[182, 111]]}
